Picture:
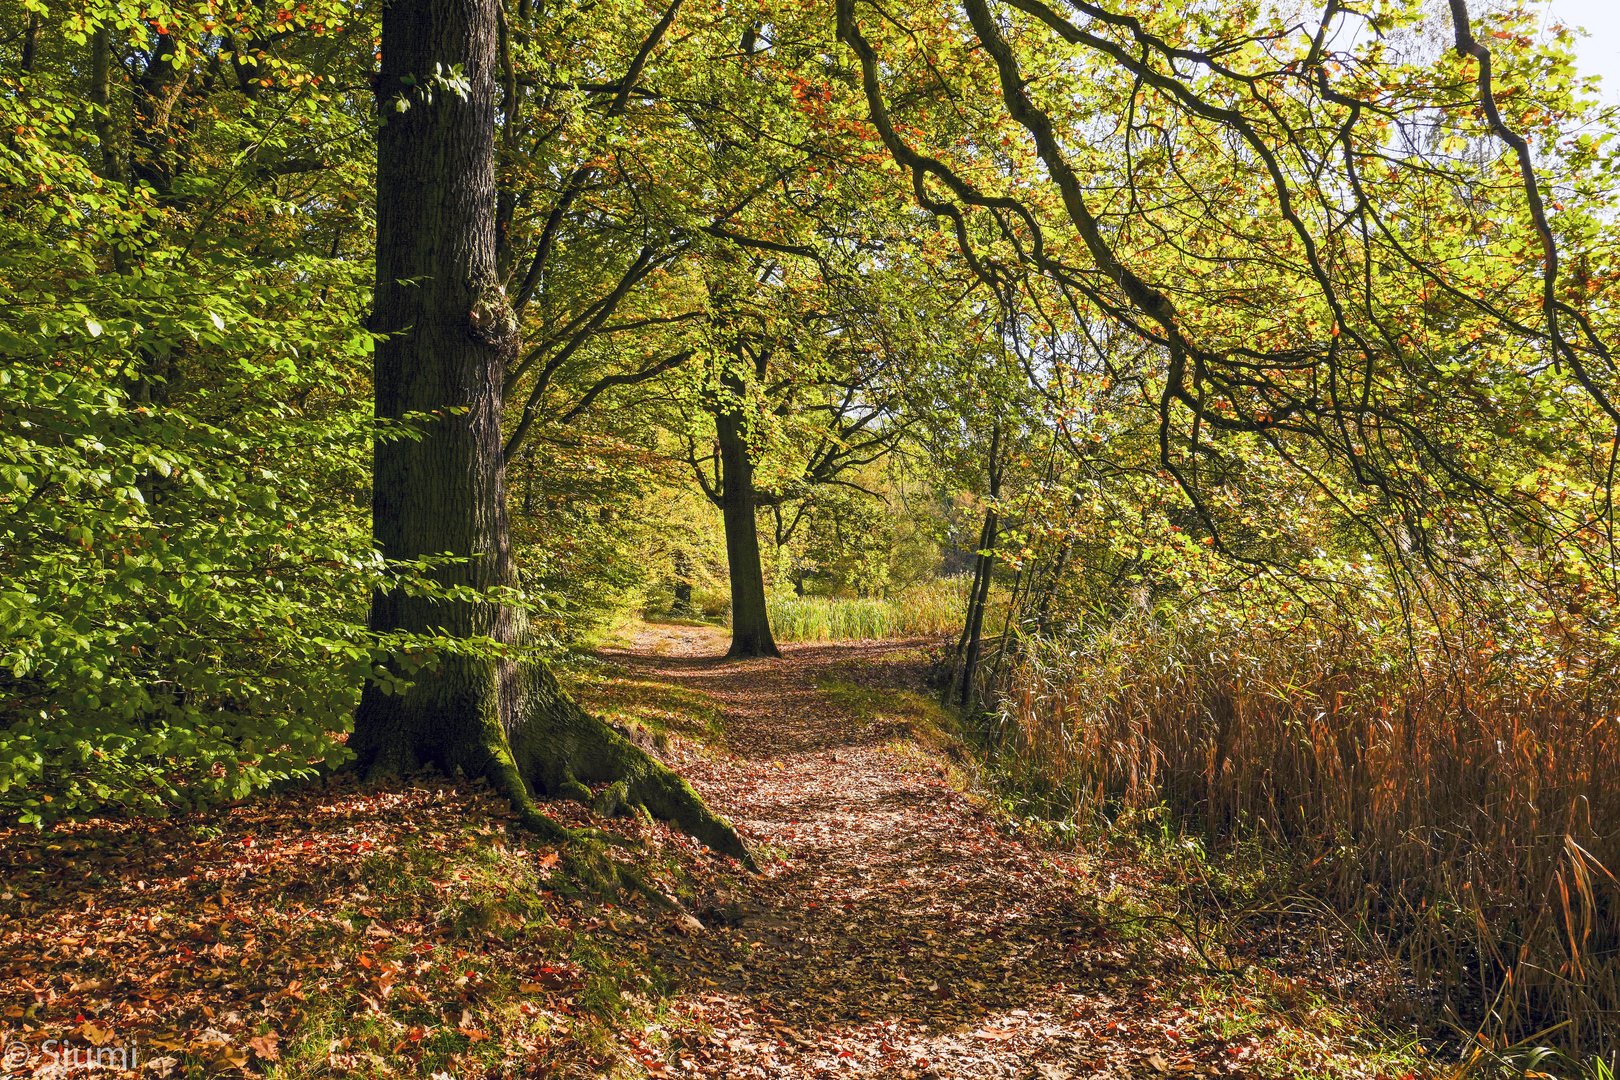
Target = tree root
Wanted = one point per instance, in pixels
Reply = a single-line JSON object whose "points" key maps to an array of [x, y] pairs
{"points": [[515, 726], [586, 854], [559, 749]]}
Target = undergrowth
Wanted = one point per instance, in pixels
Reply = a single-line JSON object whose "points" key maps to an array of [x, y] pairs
{"points": [[1451, 803], [1162, 893]]}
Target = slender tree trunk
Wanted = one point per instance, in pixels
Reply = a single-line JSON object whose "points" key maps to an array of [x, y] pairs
{"points": [[101, 97], [470, 701], [1021, 587], [972, 632], [1054, 581], [978, 597], [683, 585], [30, 42], [750, 621]]}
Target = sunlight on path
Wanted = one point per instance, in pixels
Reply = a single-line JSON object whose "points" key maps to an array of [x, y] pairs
{"points": [[901, 934]]}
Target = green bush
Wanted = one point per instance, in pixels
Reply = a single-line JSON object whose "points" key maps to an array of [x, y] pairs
{"points": [[184, 446], [182, 611]]}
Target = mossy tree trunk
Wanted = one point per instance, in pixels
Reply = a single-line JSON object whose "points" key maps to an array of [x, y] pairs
{"points": [[448, 333]]}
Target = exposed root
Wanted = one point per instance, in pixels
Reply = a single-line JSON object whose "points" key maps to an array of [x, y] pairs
{"points": [[515, 726], [559, 749]]}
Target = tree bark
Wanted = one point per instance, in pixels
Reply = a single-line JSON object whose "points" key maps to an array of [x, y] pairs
{"points": [[447, 339], [471, 701], [682, 604], [750, 621], [979, 596]]}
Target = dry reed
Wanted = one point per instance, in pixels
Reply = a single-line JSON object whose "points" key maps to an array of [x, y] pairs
{"points": [[925, 610], [1462, 799]]}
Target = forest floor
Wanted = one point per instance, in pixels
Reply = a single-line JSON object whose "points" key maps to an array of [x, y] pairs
{"points": [[899, 925]]}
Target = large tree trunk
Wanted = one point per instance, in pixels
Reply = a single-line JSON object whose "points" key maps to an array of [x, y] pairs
{"points": [[750, 622], [476, 704], [448, 337]]}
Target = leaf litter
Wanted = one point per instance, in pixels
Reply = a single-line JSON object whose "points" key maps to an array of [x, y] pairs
{"points": [[896, 928]]}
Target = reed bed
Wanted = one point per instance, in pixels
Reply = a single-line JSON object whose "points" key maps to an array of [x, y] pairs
{"points": [[926, 610], [1459, 797]]}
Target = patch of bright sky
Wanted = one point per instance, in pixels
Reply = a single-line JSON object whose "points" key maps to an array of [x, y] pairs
{"points": [[1597, 52]]}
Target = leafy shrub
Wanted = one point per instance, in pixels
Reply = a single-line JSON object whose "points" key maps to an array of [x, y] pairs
{"points": [[182, 611], [184, 557]]}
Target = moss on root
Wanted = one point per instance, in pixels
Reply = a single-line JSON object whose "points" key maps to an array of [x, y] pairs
{"points": [[559, 749], [515, 726]]}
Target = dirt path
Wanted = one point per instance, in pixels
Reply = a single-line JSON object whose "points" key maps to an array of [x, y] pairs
{"points": [[901, 933], [349, 929]]}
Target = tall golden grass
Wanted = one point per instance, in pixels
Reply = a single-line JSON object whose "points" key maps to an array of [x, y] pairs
{"points": [[1458, 797], [932, 608]]}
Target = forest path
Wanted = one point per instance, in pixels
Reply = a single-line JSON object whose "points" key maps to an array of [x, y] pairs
{"points": [[895, 930]]}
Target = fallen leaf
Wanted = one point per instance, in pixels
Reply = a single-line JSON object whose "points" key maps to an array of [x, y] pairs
{"points": [[266, 1046]]}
